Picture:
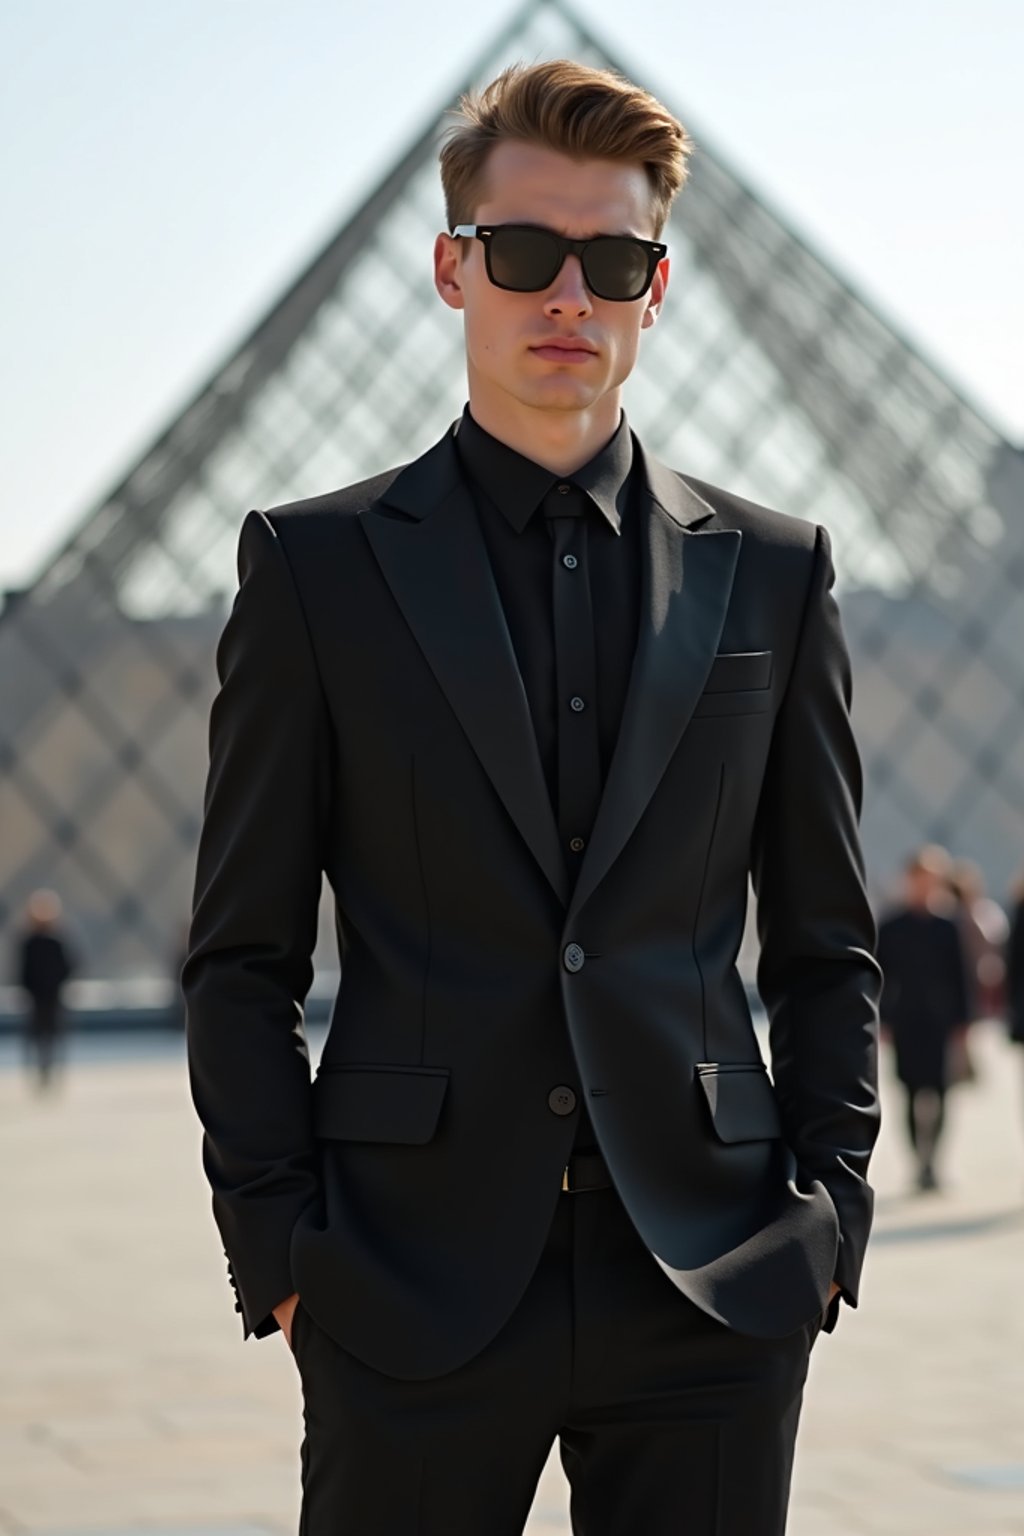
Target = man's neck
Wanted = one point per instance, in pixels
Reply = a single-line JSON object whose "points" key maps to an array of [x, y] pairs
{"points": [[562, 441]]}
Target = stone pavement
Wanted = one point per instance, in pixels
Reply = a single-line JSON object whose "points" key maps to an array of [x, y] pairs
{"points": [[128, 1400]]}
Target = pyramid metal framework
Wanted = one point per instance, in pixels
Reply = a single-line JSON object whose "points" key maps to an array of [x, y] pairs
{"points": [[767, 373]]}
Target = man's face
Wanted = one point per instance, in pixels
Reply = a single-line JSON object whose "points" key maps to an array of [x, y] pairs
{"points": [[506, 332]]}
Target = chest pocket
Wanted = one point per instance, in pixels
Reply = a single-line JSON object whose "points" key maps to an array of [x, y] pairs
{"points": [[739, 683]]}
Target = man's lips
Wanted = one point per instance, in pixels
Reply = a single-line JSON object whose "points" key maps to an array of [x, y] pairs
{"points": [[570, 349]]}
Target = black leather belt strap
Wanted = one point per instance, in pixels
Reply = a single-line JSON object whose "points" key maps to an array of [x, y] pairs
{"points": [[585, 1170]]}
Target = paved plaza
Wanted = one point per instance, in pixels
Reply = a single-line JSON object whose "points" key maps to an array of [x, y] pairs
{"points": [[129, 1402]]}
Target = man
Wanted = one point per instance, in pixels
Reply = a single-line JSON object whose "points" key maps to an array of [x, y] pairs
{"points": [[927, 1000], [45, 962], [537, 704]]}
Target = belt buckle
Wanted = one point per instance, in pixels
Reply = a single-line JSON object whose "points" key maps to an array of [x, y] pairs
{"points": [[565, 1179]]}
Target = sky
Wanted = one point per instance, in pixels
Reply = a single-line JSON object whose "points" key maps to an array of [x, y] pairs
{"points": [[167, 168]]}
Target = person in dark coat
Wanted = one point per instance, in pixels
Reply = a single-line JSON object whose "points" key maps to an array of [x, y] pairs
{"points": [[45, 962], [1015, 965], [926, 997]]}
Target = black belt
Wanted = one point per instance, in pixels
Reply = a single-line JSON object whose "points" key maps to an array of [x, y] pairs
{"points": [[585, 1170]]}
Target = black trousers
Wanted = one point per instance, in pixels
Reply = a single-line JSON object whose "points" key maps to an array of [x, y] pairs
{"points": [[669, 1423], [45, 1039]]}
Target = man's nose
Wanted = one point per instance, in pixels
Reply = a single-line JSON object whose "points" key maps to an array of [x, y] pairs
{"points": [[568, 293]]}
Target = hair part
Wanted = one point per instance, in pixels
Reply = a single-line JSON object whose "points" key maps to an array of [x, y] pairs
{"points": [[572, 108]]}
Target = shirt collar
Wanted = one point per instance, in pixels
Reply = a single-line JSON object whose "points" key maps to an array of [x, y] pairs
{"points": [[517, 484]]}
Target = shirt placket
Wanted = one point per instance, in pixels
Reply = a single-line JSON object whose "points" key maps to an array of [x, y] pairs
{"points": [[578, 742]]}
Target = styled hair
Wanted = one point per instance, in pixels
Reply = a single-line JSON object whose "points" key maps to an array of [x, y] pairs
{"points": [[572, 108]]}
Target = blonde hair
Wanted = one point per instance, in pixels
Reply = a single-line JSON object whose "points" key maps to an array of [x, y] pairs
{"points": [[572, 108]]}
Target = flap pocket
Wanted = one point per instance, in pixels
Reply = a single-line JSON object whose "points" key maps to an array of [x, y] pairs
{"points": [[739, 672], [741, 1100], [378, 1103]]}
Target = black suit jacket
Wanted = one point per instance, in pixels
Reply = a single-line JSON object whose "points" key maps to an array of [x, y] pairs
{"points": [[1015, 972], [371, 723]]}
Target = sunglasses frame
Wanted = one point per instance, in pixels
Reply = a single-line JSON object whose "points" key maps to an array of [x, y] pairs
{"points": [[653, 249]]}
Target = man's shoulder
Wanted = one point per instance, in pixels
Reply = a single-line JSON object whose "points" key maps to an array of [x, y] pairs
{"points": [[313, 529], [778, 550], [419, 480], [758, 523], [334, 507]]}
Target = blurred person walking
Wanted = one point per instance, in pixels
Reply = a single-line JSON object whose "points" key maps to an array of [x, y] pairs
{"points": [[926, 997], [539, 705], [44, 963]]}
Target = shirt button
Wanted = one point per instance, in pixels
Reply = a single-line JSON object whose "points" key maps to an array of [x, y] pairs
{"points": [[573, 957], [570, 562], [563, 489], [576, 703], [576, 844], [561, 1100]]}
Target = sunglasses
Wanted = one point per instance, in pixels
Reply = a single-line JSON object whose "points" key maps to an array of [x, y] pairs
{"points": [[526, 259]]}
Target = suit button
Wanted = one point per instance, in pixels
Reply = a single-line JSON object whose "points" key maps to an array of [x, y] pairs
{"points": [[573, 957], [561, 1100]]}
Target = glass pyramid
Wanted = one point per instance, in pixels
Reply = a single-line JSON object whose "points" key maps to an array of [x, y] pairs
{"points": [[767, 374]]}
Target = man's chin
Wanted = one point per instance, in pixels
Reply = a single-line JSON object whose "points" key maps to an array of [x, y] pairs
{"points": [[558, 394]]}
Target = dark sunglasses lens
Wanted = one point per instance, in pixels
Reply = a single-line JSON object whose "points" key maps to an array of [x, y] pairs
{"points": [[523, 259], [616, 269]]}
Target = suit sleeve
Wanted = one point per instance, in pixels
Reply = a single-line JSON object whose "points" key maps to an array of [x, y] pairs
{"points": [[253, 929], [885, 953], [818, 974], [1015, 974]]}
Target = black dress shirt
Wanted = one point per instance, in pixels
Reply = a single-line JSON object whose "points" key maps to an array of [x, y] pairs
{"points": [[565, 556]]}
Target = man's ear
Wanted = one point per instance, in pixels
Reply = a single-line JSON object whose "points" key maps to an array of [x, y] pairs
{"points": [[448, 271], [656, 295]]}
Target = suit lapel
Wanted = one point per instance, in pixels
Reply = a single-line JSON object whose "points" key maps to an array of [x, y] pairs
{"points": [[435, 561], [686, 577], [436, 564]]}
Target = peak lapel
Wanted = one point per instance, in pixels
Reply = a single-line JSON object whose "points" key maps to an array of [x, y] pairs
{"points": [[686, 578], [436, 564]]}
